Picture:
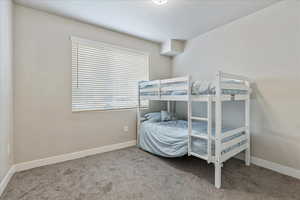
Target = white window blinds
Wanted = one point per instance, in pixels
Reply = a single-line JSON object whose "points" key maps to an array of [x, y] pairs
{"points": [[105, 76]]}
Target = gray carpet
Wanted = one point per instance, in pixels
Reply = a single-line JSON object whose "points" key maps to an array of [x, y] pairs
{"points": [[134, 174]]}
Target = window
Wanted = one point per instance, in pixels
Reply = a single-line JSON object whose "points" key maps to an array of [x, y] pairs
{"points": [[105, 77]]}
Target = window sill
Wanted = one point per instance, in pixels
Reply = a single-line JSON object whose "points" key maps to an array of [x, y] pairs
{"points": [[110, 110]]}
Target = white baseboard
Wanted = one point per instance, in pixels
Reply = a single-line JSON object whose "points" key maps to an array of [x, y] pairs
{"points": [[6, 179], [282, 169], [71, 156], [61, 158], [276, 167]]}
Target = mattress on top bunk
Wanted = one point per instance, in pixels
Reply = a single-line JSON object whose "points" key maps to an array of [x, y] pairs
{"points": [[198, 88], [170, 138]]}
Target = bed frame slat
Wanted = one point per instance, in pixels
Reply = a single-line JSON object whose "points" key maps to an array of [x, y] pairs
{"points": [[232, 153], [234, 141], [234, 86], [233, 132]]}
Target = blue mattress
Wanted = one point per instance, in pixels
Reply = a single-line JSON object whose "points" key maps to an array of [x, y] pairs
{"points": [[170, 138]]}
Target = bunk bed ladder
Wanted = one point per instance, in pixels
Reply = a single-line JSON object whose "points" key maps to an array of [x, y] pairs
{"points": [[206, 136]]}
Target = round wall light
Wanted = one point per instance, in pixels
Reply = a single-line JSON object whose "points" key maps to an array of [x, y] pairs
{"points": [[160, 2]]}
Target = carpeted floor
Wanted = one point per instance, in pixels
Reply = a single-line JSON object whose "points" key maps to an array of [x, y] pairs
{"points": [[134, 174]]}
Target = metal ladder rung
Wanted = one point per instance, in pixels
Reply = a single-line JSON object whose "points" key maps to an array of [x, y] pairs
{"points": [[203, 136], [199, 156], [199, 118]]}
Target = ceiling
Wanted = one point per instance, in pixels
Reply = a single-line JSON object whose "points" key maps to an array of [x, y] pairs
{"points": [[177, 19]]}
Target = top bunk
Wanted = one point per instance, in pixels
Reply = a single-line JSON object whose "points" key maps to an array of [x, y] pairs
{"points": [[226, 87]]}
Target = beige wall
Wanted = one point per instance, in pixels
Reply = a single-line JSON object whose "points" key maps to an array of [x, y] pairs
{"points": [[264, 46], [44, 123], [6, 89]]}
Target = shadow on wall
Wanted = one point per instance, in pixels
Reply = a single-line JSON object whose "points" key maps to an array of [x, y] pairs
{"points": [[275, 122], [264, 119], [267, 118], [274, 119]]}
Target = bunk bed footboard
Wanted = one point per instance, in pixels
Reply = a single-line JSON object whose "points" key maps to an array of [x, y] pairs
{"points": [[230, 148]]}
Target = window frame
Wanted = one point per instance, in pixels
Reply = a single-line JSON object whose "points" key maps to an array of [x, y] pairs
{"points": [[100, 44]]}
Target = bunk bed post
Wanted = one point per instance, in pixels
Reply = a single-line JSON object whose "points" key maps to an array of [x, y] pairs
{"points": [[189, 107], [247, 125], [169, 106], [138, 116], [209, 127], [218, 164]]}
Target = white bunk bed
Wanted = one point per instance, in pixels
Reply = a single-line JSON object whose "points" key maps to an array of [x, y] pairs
{"points": [[180, 89]]}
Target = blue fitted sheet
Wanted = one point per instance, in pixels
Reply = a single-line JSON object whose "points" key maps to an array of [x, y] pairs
{"points": [[170, 139]]}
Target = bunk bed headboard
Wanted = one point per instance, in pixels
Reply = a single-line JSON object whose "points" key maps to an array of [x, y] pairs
{"points": [[226, 76], [160, 89], [226, 81]]}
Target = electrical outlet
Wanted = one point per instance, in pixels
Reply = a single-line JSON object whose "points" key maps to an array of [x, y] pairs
{"points": [[125, 128]]}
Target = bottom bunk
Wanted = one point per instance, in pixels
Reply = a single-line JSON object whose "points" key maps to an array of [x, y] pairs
{"points": [[170, 139]]}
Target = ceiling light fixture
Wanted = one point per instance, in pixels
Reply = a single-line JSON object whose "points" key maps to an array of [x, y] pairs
{"points": [[160, 2]]}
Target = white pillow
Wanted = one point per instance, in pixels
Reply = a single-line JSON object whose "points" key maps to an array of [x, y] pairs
{"points": [[152, 115], [165, 116]]}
